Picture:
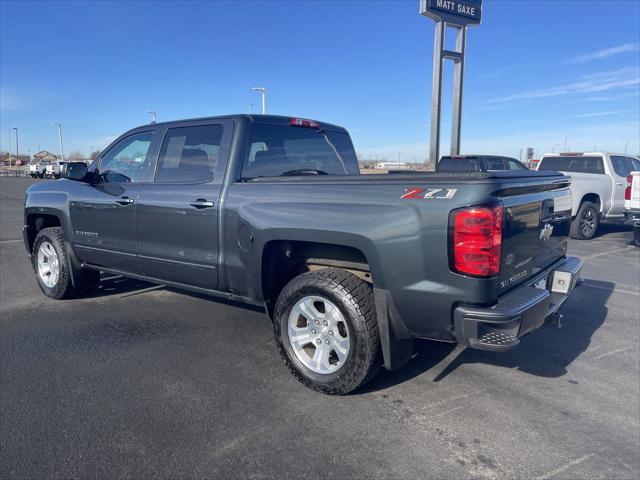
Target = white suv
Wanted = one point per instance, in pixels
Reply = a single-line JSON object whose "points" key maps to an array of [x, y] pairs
{"points": [[598, 183]]}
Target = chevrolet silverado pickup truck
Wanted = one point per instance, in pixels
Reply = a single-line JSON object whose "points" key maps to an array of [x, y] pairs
{"points": [[598, 182], [273, 211]]}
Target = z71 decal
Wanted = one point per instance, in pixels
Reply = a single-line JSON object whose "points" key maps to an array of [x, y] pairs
{"points": [[427, 193]]}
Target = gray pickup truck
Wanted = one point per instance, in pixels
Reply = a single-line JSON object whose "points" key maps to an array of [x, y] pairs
{"points": [[350, 268]]}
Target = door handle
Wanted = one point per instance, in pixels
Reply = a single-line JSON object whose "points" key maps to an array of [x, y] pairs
{"points": [[125, 201], [201, 203], [619, 184]]}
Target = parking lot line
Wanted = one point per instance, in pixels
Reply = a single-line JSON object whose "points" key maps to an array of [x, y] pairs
{"points": [[586, 283], [577, 461], [10, 241], [610, 252], [612, 352]]}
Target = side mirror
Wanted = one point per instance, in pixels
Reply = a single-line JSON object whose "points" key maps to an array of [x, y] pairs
{"points": [[75, 171]]}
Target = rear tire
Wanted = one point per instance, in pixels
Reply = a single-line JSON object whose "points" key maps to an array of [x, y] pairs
{"points": [[585, 225], [336, 321], [51, 266], [636, 234]]}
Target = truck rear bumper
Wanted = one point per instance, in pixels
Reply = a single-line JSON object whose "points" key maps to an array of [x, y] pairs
{"points": [[500, 327]]}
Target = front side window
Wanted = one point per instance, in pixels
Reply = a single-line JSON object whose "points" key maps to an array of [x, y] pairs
{"points": [[126, 160], [189, 154], [277, 150], [515, 165]]}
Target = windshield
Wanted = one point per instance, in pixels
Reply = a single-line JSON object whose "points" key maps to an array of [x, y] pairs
{"points": [[577, 164], [276, 150]]}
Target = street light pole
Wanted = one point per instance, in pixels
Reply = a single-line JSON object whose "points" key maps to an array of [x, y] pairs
{"points": [[153, 116], [17, 154], [60, 138], [263, 91]]}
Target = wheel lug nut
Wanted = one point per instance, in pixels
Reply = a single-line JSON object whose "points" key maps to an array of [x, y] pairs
{"points": [[330, 332], [325, 323], [317, 322], [327, 342], [318, 341], [313, 330]]}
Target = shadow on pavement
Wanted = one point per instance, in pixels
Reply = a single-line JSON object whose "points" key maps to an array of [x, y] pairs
{"points": [[546, 352]]}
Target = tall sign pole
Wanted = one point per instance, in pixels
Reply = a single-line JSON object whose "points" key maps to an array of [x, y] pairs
{"points": [[457, 14]]}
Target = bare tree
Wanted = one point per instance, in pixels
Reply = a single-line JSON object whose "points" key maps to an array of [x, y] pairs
{"points": [[93, 155], [74, 156]]}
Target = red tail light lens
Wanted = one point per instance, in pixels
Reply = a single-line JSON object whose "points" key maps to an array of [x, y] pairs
{"points": [[303, 122], [477, 240], [627, 191]]}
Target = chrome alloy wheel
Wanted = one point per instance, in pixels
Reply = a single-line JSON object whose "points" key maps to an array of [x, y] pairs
{"points": [[318, 334], [588, 221], [48, 264]]}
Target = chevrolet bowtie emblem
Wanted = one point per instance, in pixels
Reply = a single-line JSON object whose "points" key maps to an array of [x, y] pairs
{"points": [[545, 233]]}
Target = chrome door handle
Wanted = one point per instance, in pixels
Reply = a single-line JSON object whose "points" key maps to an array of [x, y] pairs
{"points": [[201, 203], [125, 201], [619, 184]]}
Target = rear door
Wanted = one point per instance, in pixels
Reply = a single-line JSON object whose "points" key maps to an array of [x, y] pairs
{"points": [[177, 217], [622, 167]]}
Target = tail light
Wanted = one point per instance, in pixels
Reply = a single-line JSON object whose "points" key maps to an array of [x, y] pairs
{"points": [[627, 191], [476, 240]]}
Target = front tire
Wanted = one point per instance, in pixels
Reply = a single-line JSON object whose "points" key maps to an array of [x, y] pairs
{"points": [[585, 225], [326, 329], [51, 267]]}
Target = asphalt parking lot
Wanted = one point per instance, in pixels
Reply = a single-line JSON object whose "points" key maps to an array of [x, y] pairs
{"points": [[141, 381]]}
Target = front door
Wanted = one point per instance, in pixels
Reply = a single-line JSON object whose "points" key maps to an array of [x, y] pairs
{"points": [[177, 216], [103, 213]]}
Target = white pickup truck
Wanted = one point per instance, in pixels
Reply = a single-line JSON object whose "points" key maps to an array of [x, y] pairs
{"points": [[599, 180], [632, 204]]}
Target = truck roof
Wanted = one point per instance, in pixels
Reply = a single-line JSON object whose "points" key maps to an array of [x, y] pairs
{"points": [[252, 118], [582, 154]]}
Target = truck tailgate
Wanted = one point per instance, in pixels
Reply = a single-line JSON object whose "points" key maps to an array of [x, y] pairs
{"points": [[535, 232]]}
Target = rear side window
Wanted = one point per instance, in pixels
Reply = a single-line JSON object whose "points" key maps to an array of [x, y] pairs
{"points": [[276, 150], [447, 164], [623, 166], [189, 154], [573, 164], [494, 163]]}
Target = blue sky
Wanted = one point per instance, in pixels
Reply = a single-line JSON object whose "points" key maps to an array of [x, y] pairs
{"points": [[536, 71]]}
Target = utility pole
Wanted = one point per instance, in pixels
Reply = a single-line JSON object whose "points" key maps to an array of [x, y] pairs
{"points": [[60, 138], [466, 14], [17, 154], [263, 91]]}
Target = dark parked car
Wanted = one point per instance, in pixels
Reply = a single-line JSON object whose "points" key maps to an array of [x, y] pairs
{"points": [[478, 163], [273, 211]]}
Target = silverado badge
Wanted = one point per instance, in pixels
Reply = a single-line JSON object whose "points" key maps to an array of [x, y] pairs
{"points": [[545, 233]]}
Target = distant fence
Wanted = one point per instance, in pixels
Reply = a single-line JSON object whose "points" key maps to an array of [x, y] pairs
{"points": [[13, 172]]}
